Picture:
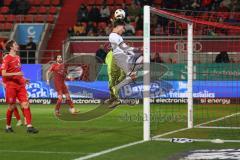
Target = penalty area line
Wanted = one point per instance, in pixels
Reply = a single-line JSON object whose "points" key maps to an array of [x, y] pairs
{"points": [[42, 152], [109, 150]]}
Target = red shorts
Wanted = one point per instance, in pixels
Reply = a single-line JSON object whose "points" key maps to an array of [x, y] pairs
{"points": [[12, 94], [62, 89]]}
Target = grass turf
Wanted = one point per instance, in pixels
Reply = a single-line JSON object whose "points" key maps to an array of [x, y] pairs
{"points": [[68, 140]]}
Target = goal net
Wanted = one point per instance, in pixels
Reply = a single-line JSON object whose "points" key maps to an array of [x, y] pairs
{"points": [[192, 90]]}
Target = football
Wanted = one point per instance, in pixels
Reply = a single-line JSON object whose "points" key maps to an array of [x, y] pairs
{"points": [[119, 14]]}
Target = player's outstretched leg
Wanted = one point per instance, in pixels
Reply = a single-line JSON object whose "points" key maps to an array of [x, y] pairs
{"points": [[9, 118], [17, 115], [28, 115]]}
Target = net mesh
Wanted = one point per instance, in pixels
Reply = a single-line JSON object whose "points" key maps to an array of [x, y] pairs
{"points": [[216, 105]]}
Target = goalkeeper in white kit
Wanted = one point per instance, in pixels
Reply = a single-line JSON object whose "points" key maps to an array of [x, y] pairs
{"points": [[128, 59]]}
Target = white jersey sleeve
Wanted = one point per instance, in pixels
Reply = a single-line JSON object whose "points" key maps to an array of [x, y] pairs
{"points": [[115, 40], [119, 46]]}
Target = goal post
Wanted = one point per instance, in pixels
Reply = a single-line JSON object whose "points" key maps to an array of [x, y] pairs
{"points": [[192, 77], [146, 78]]}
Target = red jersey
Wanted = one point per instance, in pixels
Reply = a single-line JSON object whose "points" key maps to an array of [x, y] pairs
{"points": [[59, 73], [12, 65]]}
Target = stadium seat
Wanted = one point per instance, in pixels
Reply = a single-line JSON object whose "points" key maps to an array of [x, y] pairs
{"points": [[90, 3], [84, 24], [111, 8], [28, 18], [55, 2], [46, 2], [10, 18], [134, 24], [158, 1], [50, 18], [102, 25], [7, 2], [98, 2], [33, 10], [40, 18], [128, 2], [2, 18], [42, 10], [110, 2], [19, 18], [7, 26], [119, 2], [36, 2], [139, 33], [4, 10], [95, 24], [31, 2], [52, 10]]}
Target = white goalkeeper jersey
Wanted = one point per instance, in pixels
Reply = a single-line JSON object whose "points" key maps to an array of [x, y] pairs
{"points": [[118, 45]]}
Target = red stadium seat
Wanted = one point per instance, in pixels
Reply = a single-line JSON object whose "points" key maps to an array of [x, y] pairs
{"points": [[119, 2], [8, 26], [46, 2], [128, 2], [2, 18], [36, 2], [28, 18], [98, 2], [7, 2], [31, 2], [139, 33], [84, 24], [10, 18], [110, 2], [50, 18], [158, 1], [40, 18], [95, 24], [19, 18], [33, 10], [90, 3], [134, 24], [56, 2], [102, 25], [42, 10], [4, 10], [52, 10]]}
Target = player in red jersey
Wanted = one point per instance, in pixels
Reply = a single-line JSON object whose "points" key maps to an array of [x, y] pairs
{"points": [[15, 86], [15, 111], [59, 75]]}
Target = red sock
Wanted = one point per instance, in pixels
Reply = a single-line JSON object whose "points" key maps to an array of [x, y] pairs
{"points": [[9, 117], [16, 114], [70, 103], [59, 102], [28, 116]]}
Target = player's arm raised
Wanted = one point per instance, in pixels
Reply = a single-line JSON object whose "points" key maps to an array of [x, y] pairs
{"points": [[47, 74]]}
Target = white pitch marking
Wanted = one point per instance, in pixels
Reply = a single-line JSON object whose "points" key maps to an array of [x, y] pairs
{"points": [[109, 150], [219, 119], [40, 152]]}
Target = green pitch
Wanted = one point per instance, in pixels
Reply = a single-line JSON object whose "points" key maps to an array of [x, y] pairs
{"points": [[64, 140]]}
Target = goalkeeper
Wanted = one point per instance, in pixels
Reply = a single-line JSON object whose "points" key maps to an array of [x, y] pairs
{"points": [[115, 75]]}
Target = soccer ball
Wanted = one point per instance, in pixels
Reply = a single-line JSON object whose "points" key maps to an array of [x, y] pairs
{"points": [[119, 14]]}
